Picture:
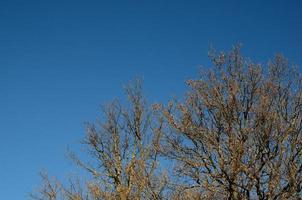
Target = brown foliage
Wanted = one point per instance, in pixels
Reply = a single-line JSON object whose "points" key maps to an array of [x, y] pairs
{"points": [[236, 136], [125, 161]]}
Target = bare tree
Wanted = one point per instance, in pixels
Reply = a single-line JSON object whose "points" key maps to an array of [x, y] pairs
{"points": [[238, 134], [124, 161]]}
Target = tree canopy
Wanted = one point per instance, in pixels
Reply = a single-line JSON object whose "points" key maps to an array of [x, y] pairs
{"points": [[236, 135]]}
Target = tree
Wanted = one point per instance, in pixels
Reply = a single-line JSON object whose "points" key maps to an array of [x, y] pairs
{"points": [[237, 135], [125, 161]]}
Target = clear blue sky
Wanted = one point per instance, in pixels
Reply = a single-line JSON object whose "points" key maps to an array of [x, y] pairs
{"points": [[59, 60]]}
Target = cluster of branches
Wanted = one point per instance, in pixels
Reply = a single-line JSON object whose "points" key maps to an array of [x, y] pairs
{"points": [[237, 135]]}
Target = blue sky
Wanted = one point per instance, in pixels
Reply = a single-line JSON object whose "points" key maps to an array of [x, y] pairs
{"points": [[59, 60]]}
